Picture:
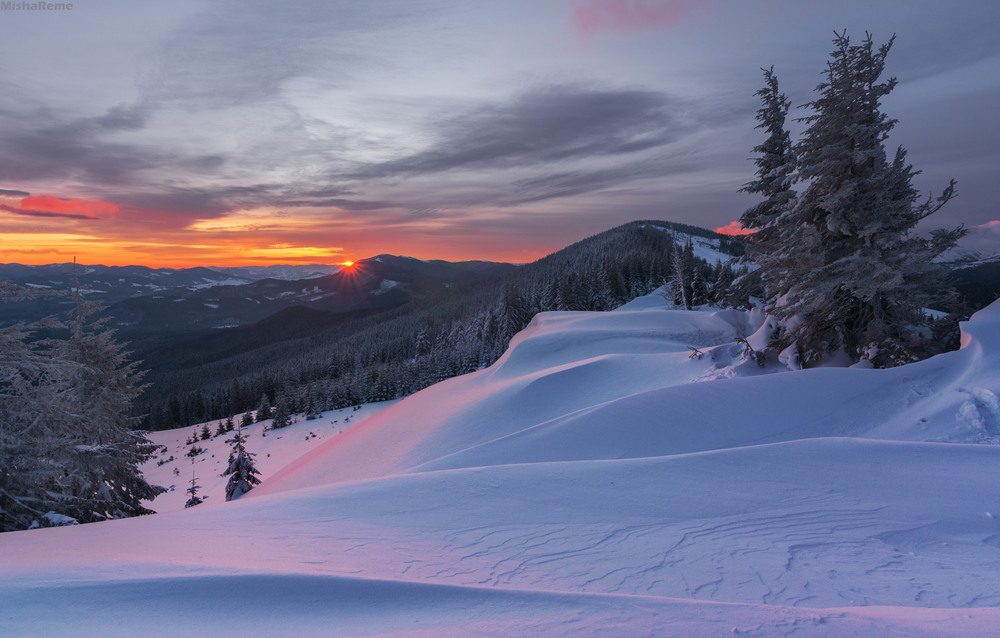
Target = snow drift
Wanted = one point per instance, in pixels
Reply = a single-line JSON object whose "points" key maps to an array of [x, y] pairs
{"points": [[618, 385], [597, 480]]}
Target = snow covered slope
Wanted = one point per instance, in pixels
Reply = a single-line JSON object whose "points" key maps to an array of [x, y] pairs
{"points": [[577, 385], [172, 468], [596, 481]]}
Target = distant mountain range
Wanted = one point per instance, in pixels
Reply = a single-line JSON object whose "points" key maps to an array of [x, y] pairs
{"points": [[114, 283], [141, 299], [215, 339]]}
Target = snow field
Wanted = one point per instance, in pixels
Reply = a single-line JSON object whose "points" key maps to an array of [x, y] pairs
{"points": [[595, 481], [274, 449]]}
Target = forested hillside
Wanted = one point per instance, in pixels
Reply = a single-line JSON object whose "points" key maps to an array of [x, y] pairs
{"points": [[312, 360]]}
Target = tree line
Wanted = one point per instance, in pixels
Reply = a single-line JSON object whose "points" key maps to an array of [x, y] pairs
{"points": [[391, 354]]}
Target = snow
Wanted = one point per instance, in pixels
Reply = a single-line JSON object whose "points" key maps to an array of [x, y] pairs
{"points": [[245, 274], [274, 450], [385, 286], [704, 247], [211, 283], [595, 481]]}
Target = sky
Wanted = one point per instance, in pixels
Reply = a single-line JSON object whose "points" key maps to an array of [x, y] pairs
{"points": [[244, 132]]}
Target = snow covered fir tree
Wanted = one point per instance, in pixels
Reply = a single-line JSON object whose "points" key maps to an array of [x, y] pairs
{"points": [[68, 451], [242, 472], [842, 268]]}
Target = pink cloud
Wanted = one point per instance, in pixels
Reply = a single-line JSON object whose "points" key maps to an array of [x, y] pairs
{"points": [[734, 228], [49, 206], [591, 16]]}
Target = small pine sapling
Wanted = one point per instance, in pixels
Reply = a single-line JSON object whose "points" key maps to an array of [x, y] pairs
{"points": [[243, 475], [193, 490]]}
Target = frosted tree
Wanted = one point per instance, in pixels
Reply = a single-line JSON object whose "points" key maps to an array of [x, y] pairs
{"points": [[101, 475], [67, 449], [775, 164], [687, 278], [841, 267], [242, 473], [514, 313], [311, 403], [281, 417], [33, 397], [264, 409]]}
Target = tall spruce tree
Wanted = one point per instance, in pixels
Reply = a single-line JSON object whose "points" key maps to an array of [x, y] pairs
{"points": [[775, 164], [264, 409], [280, 415], [775, 175], [841, 268], [101, 476]]}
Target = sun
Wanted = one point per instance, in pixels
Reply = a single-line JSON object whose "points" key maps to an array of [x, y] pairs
{"points": [[347, 264]]}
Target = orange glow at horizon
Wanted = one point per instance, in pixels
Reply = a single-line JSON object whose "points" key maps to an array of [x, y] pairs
{"points": [[92, 249], [257, 237]]}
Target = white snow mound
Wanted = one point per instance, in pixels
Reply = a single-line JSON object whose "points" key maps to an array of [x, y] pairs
{"points": [[601, 479]]}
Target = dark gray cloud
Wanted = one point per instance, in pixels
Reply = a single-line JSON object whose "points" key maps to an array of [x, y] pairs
{"points": [[547, 125], [327, 191], [330, 197], [43, 213], [10, 193], [338, 202], [118, 118], [39, 144], [198, 202], [580, 182], [184, 203]]}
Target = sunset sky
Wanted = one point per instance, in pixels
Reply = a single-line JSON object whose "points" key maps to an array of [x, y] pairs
{"points": [[183, 132]]}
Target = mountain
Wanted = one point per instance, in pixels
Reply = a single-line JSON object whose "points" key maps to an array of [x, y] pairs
{"points": [[146, 303], [105, 284], [113, 283], [384, 281], [462, 319], [596, 480], [278, 271], [978, 282]]}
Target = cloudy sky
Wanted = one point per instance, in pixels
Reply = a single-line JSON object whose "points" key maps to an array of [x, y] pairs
{"points": [[249, 131]]}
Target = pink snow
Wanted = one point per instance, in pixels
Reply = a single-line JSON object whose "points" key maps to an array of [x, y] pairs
{"points": [[595, 481]]}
